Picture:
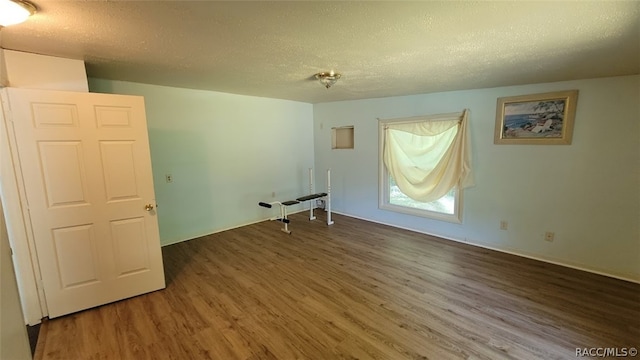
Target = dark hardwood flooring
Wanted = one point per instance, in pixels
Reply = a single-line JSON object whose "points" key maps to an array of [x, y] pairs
{"points": [[354, 290]]}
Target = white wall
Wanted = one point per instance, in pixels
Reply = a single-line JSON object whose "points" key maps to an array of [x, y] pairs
{"points": [[588, 193], [34, 71], [225, 152], [14, 342], [4, 78]]}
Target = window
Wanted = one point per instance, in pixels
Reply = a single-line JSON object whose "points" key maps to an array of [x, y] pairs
{"points": [[447, 208], [429, 156]]}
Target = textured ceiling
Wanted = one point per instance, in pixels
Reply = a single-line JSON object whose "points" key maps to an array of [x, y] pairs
{"points": [[273, 49]]}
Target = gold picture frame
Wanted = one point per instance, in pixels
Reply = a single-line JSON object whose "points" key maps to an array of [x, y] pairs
{"points": [[545, 119]]}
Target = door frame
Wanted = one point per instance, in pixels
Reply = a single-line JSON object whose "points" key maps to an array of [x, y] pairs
{"points": [[18, 221]]}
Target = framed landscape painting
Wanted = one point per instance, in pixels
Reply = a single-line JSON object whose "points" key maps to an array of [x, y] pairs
{"points": [[536, 119]]}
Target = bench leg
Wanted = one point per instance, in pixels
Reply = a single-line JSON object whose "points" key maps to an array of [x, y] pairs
{"points": [[311, 216], [283, 216]]}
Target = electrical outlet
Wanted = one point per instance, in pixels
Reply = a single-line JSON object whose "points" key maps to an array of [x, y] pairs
{"points": [[273, 194], [168, 178], [504, 225], [548, 236]]}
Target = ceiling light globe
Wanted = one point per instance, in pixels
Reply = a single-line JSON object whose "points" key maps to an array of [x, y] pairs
{"points": [[15, 11], [328, 79]]}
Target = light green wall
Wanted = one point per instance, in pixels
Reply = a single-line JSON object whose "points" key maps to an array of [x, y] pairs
{"points": [[225, 152], [588, 193]]}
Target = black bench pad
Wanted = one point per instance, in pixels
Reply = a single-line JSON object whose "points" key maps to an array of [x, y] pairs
{"points": [[311, 197], [290, 202]]}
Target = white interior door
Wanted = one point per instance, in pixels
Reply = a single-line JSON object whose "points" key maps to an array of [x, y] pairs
{"points": [[86, 169]]}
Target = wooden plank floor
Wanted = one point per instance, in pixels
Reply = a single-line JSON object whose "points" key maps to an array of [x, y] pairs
{"points": [[355, 290]]}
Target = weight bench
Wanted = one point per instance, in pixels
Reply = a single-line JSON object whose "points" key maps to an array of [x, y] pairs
{"points": [[284, 204], [283, 212]]}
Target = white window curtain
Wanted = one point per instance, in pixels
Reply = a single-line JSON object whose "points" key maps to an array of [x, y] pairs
{"points": [[430, 156]]}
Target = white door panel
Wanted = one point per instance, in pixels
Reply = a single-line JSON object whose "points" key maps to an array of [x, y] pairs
{"points": [[62, 166], [118, 167], [87, 173], [76, 253]]}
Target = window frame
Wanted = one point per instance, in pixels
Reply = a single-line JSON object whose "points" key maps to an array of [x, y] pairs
{"points": [[383, 177]]}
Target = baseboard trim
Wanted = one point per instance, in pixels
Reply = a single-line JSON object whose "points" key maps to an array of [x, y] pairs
{"points": [[511, 252]]}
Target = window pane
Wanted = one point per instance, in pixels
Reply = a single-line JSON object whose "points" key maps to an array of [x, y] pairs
{"points": [[444, 205]]}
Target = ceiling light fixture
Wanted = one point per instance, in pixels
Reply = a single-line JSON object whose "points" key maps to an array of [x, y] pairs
{"points": [[328, 79], [15, 11]]}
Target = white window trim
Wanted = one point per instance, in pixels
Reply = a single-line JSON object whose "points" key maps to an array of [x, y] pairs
{"points": [[383, 178]]}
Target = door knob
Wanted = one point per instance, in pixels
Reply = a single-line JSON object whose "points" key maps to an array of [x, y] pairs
{"points": [[148, 207]]}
